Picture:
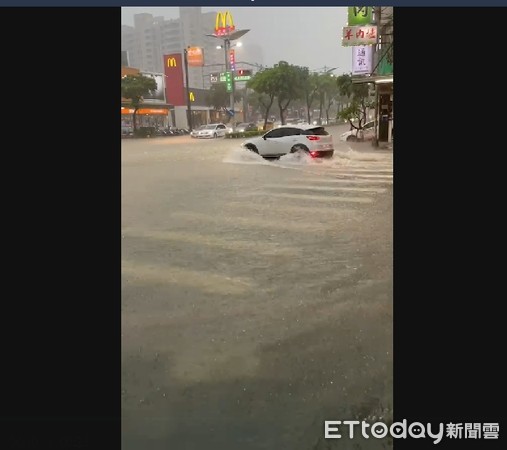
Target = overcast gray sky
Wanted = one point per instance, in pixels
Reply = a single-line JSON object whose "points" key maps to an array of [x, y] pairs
{"points": [[304, 36]]}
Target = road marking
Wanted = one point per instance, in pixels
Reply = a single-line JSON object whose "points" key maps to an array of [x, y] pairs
{"points": [[265, 248], [327, 188], [333, 179], [328, 198], [252, 222], [208, 282], [303, 210]]}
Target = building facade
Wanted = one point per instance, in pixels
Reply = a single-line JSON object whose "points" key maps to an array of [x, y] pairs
{"points": [[152, 37], [154, 112]]}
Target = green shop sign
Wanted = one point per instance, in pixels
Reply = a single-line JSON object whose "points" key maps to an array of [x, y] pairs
{"points": [[360, 15], [385, 66]]}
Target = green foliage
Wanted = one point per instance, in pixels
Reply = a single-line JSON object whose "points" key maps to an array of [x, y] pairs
{"points": [[218, 97], [284, 81], [359, 99], [265, 88], [135, 87]]}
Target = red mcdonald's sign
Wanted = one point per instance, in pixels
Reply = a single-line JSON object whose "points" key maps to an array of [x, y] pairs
{"points": [[174, 87]]}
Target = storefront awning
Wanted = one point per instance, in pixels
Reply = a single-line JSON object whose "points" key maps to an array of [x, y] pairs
{"points": [[377, 79]]}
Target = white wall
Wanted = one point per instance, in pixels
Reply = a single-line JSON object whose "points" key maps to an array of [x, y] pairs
{"points": [[180, 113]]}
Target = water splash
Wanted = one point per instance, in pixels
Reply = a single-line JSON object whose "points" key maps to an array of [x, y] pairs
{"points": [[243, 156]]}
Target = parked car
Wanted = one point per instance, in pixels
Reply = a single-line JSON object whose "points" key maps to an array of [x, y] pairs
{"points": [[367, 133], [309, 139], [213, 130], [247, 126]]}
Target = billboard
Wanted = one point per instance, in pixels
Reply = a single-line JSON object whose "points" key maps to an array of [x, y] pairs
{"points": [[360, 15], [157, 96], [195, 56], [174, 87], [359, 35], [362, 60]]}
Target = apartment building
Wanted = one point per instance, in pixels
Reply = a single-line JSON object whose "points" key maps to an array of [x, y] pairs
{"points": [[152, 37]]}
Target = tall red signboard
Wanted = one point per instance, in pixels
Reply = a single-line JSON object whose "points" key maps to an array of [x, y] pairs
{"points": [[173, 70]]}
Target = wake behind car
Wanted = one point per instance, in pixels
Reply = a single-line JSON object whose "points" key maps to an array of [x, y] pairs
{"points": [[210, 131], [309, 139]]}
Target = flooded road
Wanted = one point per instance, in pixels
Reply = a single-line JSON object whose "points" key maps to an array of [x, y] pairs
{"points": [[256, 295]]}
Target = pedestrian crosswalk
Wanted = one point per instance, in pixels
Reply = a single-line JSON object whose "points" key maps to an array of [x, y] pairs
{"points": [[335, 182], [258, 232]]}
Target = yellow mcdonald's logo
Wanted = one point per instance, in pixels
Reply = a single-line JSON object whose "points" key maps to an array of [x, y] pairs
{"points": [[192, 97], [171, 62], [224, 20]]}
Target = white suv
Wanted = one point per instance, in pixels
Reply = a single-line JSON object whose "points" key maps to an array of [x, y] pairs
{"points": [[310, 139]]}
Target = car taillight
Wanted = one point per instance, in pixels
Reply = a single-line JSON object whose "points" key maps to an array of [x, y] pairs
{"points": [[313, 138], [313, 154]]}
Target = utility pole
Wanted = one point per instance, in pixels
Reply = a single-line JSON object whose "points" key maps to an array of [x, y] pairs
{"points": [[187, 92], [228, 34], [377, 13]]}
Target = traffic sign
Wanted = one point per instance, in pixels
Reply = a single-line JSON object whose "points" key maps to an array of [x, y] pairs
{"points": [[214, 77], [228, 81]]}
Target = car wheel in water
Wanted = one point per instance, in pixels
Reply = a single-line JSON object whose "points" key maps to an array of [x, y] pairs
{"points": [[300, 149], [351, 138], [252, 148]]}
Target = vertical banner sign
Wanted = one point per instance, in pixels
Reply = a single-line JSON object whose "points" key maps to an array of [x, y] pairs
{"points": [[362, 60], [173, 70], [360, 15], [195, 56], [228, 81], [232, 59]]}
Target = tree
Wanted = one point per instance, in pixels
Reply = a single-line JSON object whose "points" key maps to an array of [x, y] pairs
{"points": [[219, 98], [260, 104], [359, 101], [265, 91], [284, 82], [134, 88], [289, 82], [309, 90], [329, 88]]}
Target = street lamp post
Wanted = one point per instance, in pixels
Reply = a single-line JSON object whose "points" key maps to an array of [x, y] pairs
{"points": [[325, 71], [227, 37], [227, 47]]}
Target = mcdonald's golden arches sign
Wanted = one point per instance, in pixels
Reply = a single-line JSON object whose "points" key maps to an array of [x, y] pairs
{"points": [[224, 24]]}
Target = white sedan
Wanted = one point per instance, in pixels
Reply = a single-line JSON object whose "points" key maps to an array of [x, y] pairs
{"points": [[367, 133], [213, 130]]}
